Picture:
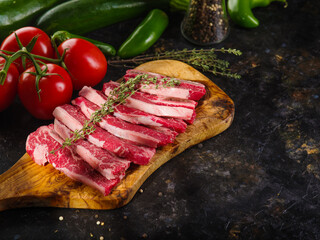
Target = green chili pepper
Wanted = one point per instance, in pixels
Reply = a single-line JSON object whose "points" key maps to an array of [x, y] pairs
{"points": [[240, 11], [145, 35], [60, 36]]}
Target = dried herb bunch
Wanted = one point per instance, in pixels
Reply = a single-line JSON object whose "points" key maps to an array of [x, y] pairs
{"points": [[117, 96], [206, 60]]}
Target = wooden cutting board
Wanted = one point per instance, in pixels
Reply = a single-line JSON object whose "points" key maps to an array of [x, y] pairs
{"points": [[27, 184]]}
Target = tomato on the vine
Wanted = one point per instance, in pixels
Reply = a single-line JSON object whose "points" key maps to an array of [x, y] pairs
{"points": [[85, 62], [55, 89], [9, 89], [42, 47]]}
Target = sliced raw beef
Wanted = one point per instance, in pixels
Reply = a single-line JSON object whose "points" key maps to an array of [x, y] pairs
{"points": [[138, 134], [133, 115], [100, 159], [186, 89], [159, 106], [74, 119], [93, 95], [172, 134], [44, 139], [137, 116], [165, 101]]}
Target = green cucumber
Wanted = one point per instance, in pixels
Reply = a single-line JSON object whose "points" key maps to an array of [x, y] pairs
{"points": [[83, 16], [15, 14]]}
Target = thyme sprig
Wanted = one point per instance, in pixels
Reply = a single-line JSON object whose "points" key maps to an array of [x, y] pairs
{"points": [[203, 59], [117, 96]]}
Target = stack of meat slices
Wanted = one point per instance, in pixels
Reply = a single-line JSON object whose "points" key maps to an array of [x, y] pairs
{"points": [[150, 118]]}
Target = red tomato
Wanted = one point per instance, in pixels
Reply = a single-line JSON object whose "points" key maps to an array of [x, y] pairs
{"points": [[42, 47], [85, 62], [55, 89], [9, 89]]}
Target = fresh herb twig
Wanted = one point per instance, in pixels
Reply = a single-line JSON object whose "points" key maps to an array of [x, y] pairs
{"points": [[203, 59], [116, 97]]}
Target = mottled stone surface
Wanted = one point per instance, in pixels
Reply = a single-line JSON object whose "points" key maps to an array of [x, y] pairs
{"points": [[258, 180]]}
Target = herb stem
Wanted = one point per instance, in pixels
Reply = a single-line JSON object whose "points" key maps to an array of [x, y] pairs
{"points": [[203, 59]]}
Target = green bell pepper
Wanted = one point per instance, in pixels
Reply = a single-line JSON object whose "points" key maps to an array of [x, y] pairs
{"points": [[240, 11]]}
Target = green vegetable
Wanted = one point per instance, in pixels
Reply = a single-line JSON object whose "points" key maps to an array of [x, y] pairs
{"points": [[240, 11], [179, 5], [15, 14], [60, 36], [83, 16], [145, 35]]}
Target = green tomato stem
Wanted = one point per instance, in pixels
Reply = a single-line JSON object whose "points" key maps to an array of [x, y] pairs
{"points": [[25, 53], [51, 60], [5, 69]]}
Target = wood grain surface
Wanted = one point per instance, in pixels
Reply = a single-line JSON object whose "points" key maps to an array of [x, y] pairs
{"points": [[27, 184]]}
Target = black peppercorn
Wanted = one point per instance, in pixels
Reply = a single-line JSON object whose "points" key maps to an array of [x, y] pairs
{"points": [[206, 22]]}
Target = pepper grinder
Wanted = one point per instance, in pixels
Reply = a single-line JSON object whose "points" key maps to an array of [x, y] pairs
{"points": [[206, 22]]}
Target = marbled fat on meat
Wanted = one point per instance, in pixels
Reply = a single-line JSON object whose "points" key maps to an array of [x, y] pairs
{"points": [[106, 163], [138, 134], [146, 102], [133, 115], [74, 119], [65, 160], [186, 89]]}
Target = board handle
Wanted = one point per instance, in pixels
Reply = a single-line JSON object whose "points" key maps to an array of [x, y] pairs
{"points": [[27, 184]]}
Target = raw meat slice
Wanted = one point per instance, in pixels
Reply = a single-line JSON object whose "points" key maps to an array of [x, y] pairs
{"points": [[158, 100], [135, 133], [133, 115], [93, 95], [186, 89], [100, 159], [74, 119], [137, 116], [172, 134], [165, 101], [154, 105], [64, 160]]}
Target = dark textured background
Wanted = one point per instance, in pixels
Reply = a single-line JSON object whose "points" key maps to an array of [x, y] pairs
{"points": [[257, 180]]}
